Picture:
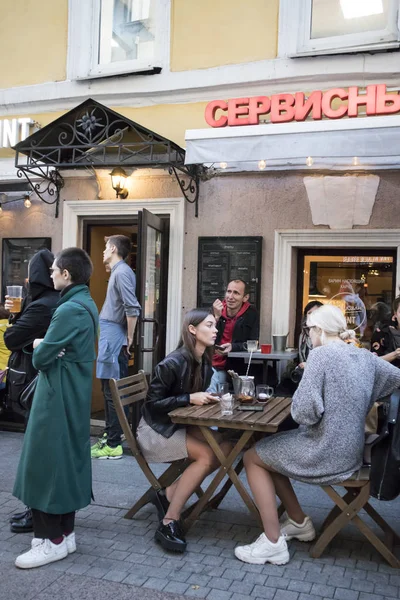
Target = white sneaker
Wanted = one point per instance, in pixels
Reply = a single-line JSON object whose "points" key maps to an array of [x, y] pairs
{"points": [[263, 550], [41, 553], [71, 543], [305, 531]]}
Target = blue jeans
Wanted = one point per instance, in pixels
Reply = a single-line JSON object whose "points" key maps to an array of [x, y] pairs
{"points": [[113, 428], [217, 377]]}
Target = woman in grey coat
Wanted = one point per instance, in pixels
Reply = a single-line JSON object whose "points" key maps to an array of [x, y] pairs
{"points": [[339, 386]]}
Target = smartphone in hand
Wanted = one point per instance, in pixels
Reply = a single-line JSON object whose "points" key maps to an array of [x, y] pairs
{"points": [[218, 347]]}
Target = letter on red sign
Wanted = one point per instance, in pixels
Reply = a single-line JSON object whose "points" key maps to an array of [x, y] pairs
{"points": [[304, 107], [210, 111], [327, 100], [236, 107], [282, 108], [355, 100], [386, 103], [258, 105]]}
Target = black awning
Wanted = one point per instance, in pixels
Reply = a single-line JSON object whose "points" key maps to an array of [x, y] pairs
{"points": [[92, 135]]}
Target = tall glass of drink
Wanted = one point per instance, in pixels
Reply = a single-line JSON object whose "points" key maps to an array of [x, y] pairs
{"points": [[14, 293]]}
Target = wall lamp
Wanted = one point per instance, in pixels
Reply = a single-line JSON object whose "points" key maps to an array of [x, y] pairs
{"points": [[118, 178]]}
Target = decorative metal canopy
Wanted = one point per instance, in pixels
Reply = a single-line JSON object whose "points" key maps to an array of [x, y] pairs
{"points": [[92, 135]]}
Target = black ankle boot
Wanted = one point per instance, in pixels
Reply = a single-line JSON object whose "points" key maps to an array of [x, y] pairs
{"points": [[23, 525], [19, 515], [170, 536], [160, 501]]}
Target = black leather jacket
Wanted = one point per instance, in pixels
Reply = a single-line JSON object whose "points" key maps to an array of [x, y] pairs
{"points": [[170, 388]]}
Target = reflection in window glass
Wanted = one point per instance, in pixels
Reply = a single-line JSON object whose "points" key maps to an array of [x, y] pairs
{"points": [[361, 286], [126, 30], [332, 18]]}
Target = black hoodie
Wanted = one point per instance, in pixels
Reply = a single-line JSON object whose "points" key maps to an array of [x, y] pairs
{"points": [[31, 323], [38, 307]]}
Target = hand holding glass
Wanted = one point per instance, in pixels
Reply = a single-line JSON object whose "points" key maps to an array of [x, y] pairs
{"points": [[14, 295], [264, 393]]}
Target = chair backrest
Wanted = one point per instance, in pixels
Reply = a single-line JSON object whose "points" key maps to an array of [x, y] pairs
{"points": [[130, 391]]}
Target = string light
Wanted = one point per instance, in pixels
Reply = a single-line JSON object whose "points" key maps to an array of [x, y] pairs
{"points": [[1, 209], [309, 161], [356, 161], [262, 165], [27, 202], [223, 165]]}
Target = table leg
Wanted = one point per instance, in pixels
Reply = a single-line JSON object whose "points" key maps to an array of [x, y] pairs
{"points": [[225, 469], [227, 462]]}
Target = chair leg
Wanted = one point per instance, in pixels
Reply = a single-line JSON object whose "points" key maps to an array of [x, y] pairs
{"points": [[348, 512], [138, 505]]}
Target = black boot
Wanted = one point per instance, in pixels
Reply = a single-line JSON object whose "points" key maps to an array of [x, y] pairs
{"points": [[170, 536], [20, 515], [24, 525], [160, 501]]}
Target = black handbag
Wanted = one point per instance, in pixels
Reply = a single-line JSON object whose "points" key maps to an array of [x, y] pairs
{"points": [[385, 452], [26, 396]]}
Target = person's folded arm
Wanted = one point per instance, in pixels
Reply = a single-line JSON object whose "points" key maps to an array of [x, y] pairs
{"points": [[62, 331]]}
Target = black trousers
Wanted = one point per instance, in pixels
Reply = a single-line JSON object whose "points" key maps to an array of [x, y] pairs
{"points": [[47, 526]]}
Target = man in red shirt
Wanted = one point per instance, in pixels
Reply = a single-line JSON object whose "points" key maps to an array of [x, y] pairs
{"points": [[237, 322]]}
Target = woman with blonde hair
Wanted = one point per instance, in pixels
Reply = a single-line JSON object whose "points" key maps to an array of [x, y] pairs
{"points": [[338, 388]]}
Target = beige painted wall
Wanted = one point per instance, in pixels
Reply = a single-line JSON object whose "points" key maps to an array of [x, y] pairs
{"points": [[33, 42], [258, 205], [213, 33]]}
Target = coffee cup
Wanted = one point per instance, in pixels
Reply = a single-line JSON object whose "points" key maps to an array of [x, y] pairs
{"points": [[266, 348]]}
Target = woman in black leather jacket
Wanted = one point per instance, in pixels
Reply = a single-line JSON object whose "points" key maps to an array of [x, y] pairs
{"points": [[179, 380]]}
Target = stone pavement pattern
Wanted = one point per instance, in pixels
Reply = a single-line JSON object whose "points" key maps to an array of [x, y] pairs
{"points": [[118, 558]]}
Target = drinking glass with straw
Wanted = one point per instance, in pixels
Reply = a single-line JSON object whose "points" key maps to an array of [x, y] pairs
{"points": [[251, 346]]}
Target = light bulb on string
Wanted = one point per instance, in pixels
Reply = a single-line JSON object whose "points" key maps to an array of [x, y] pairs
{"points": [[262, 165], [309, 161], [356, 161], [1, 210], [223, 165], [27, 202]]}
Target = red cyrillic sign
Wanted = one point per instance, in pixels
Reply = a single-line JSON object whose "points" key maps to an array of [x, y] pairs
{"points": [[283, 108]]}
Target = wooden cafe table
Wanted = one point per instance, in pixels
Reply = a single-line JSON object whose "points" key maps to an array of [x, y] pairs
{"points": [[247, 423]]}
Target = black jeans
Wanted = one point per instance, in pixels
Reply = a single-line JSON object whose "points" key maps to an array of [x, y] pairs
{"points": [[51, 527], [113, 428]]}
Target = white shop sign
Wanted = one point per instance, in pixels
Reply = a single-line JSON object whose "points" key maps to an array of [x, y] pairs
{"points": [[13, 131]]}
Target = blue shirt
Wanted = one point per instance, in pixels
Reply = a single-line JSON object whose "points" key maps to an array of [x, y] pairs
{"points": [[121, 301]]}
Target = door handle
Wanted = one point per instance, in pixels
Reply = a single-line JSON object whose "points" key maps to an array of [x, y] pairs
{"points": [[155, 333]]}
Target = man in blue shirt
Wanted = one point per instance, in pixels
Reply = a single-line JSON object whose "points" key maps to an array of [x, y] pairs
{"points": [[117, 322]]}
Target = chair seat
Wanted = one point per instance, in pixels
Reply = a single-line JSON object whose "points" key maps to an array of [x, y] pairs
{"points": [[361, 475]]}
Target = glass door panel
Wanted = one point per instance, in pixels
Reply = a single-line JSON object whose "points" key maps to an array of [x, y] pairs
{"points": [[361, 286]]}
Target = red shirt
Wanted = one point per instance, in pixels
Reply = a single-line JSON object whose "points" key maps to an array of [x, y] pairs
{"points": [[219, 360]]}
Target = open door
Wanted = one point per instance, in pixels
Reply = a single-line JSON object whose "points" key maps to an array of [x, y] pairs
{"points": [[151, 286]]}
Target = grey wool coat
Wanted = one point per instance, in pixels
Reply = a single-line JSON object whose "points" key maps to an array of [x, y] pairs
{"points": [[338, 388]]}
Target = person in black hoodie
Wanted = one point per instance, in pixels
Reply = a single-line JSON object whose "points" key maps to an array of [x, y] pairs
{"points": [[31, 323]]}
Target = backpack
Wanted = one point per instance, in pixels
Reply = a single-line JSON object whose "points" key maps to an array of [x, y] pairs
{"points": [[385, 452], [20, 373]]}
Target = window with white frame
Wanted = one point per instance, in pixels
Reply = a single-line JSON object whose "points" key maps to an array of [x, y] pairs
{"points": [[310, 27], [112, 37]]}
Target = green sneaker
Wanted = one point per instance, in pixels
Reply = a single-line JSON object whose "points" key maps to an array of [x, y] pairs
{"points": [[107, 452], [99, 444]]}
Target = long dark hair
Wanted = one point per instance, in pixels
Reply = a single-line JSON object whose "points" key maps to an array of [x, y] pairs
{"points": [[188, 341]]}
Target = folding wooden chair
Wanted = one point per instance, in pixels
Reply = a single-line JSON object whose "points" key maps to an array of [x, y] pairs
{"points": [[347, 510], [131, 391]]}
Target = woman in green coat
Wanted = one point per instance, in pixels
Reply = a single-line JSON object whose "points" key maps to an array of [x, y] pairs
{"points": [[54, 473]]}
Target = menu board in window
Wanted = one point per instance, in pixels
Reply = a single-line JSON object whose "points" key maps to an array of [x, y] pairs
{"points": [[222, 259], [17, 252]]}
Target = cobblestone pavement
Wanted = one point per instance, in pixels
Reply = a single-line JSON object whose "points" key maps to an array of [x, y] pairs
{"points": [[118, 558]]}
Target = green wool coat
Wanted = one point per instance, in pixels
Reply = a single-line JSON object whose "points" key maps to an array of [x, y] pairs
{"points": [[54, 472]]}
